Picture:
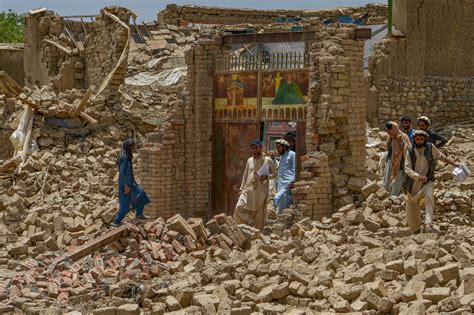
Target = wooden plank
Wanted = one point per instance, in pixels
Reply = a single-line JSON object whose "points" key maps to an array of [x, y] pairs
{"points": [[363, 33], [83, 103], [9, 86], [88, 118], [92, 245], [36, 11], [30, 104], [26, 144]]}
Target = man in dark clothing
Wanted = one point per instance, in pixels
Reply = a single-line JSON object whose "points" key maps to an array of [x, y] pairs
{"points": [[424, 124], [406, 127]]}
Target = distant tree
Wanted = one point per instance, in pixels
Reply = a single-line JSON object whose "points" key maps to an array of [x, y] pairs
{"points": [[11, 27]]}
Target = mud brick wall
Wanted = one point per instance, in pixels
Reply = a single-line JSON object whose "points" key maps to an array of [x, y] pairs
{"points": [[176, 164], [11, 61], [427, 68], [104, 42], [162, 170], [333, 174], [177, 15], [177, 157], [438, 37], [445, 100], [103, 48]]}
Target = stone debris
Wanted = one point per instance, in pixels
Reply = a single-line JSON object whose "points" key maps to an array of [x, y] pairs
{"points": [[59, 254]]}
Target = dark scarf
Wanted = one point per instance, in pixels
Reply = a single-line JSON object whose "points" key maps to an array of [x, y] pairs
{"points": [[126, 153]]}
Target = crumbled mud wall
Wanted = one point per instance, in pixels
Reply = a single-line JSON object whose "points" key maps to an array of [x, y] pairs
{"points": [[69, 54], [178, 15]]}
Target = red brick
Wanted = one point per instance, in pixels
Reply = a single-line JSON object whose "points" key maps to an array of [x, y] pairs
{"points": [[113, 263], [178, 247], [53, 290], [14, 292], [63, 297], [189, 243], [42, 284], [159, 230], [155, 270], [172, 235]]}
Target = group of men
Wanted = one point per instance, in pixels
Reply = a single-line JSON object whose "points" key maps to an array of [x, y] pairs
{"points": [[410, 166], [255, 188]]}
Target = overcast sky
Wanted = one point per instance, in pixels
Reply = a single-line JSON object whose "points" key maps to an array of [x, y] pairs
{"points": [[147, 9]]}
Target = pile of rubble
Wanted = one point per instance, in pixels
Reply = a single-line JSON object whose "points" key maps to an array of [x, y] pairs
{"points": [[358, 260]]}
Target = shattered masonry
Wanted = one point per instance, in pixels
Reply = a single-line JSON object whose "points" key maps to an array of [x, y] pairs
{"points": [[343, 248]]}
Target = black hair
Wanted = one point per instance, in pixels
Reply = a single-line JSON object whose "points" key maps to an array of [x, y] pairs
{"points": [[389, 125], [126, 150]]}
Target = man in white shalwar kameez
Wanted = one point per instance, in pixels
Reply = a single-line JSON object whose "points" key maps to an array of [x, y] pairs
{"points": [[254, 190]]}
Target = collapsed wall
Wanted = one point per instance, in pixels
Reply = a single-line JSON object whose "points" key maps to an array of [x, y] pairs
{"points": [[82, 58], [177, 159], [333, 172], [181, 15], [177, 166], [426, 67]]}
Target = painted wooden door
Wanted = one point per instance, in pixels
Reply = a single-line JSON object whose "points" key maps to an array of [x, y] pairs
{"points": [[231, 151]]}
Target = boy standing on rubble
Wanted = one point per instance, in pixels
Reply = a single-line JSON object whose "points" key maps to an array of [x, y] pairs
{"points": [[420, 166], [130, 193]]}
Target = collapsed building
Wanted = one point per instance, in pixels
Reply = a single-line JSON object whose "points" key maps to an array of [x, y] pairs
{"points": [[194, 87]]}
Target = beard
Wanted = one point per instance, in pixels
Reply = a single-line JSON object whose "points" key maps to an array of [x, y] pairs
{"points": [[420, 145]]}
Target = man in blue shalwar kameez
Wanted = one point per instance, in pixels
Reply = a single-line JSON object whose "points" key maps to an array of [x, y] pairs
{"points": [[286, 176], [130, 193]]}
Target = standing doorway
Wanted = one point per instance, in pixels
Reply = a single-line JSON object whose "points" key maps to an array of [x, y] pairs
{"points": [[263, 97]]}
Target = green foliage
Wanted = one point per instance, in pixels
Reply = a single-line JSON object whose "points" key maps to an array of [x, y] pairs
{"points": [[11, 27]]}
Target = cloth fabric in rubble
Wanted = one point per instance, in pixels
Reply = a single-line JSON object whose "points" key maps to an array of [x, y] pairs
{"points": [[286, 176], [252, 202], [137, 198]]}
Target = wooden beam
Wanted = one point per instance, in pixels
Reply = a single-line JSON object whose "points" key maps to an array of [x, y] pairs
{"points": [[258, 38], [92, 245], [363, 33], [26, 144], [88, 118], [30, 104], [83, 103]]}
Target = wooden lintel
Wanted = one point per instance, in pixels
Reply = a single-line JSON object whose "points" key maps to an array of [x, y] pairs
{"points": [[277, 37], [363, 33]]}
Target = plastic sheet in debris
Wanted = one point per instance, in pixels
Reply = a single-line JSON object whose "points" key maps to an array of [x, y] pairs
{"points": [[18, 137], [461, 172], [69, 123], [164, 78]]}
